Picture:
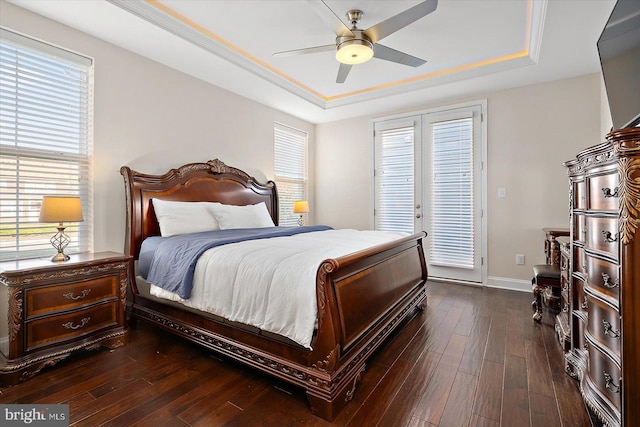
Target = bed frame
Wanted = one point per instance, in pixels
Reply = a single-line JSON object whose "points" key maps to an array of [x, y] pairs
{"points": [[362, 298]]}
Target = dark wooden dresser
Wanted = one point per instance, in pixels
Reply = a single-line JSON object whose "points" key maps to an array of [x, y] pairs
{"points": [[563, 331], [604, 309], [52, 309]]}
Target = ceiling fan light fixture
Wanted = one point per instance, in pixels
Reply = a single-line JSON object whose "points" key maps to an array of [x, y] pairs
{"points": [[355, 51]]}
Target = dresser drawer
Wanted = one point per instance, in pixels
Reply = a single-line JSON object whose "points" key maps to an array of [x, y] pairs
{"points": [[603, 324], [603, 276], [579, 260], [577, 333], [579, 230], [602, 234], [605, 374], [579, 195], [62, 297], [52, 330], [603, 192], [578, 296]]}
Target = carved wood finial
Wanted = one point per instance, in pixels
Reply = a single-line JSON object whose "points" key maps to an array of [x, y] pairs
{"points": [[14, 312], [629, 198], [217, 166], [329, 362], [627, 145]]}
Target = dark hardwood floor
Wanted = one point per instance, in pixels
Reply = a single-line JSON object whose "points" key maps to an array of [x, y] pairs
{"points": [[474, 357]]}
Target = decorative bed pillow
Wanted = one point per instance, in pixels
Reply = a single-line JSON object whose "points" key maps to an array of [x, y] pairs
{"points": [[184, 217], [249, 216]]}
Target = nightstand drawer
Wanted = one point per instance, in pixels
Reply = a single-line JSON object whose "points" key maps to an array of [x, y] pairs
{"points": [[56, 298], [52, 330]]}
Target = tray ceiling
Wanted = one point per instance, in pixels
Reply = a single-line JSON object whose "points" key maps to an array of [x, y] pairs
{"points": [[466, 43]]}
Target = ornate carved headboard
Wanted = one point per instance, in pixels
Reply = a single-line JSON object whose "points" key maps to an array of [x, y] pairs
{"points": [[212, 181]]}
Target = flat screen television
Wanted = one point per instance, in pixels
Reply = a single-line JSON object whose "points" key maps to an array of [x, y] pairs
{"points": [[619, 50]]}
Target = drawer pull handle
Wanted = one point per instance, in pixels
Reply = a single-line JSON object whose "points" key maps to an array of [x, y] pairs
{"points": [[565, 288], [609, 383], [606, 283], [608, 193], [83, 323], [607, 237], [70, 295], [585, 304], [609, 331], [565, 309]]}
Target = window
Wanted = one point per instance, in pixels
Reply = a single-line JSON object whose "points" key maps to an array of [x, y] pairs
{"points": [[45, 142], [290, 169]]}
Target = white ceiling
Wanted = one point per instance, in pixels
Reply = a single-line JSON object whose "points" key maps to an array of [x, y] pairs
{"points": [[471, 47]]}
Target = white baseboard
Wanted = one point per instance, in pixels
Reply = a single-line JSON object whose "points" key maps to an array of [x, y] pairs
{"points": [[510, 284]]}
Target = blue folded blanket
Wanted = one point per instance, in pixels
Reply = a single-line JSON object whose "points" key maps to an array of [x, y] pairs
{"points": [[174, 258]]}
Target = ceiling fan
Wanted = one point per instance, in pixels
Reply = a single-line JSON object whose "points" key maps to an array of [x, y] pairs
{"points": [[355, 46]]}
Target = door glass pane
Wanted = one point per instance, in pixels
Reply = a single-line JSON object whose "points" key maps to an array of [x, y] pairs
{"points": [[394, 179], [452, 225]]}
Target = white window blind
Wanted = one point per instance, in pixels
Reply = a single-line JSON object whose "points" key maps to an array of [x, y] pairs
{"points": [[394, 177], [452, 233], [290, 169], [45, 142]]}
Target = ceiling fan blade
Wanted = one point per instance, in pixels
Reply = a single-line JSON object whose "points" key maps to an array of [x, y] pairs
{"points": [[343, 72], [388, 54], [330, 18], [315, 49], [401, 20]]}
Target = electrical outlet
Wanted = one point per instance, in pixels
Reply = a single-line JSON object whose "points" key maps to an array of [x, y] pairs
{"points": [[519, 259]]}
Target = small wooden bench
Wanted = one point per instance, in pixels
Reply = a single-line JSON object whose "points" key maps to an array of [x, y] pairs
{"points": [[545, 286]]}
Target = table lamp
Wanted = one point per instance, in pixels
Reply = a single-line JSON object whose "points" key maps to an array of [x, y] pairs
{"points": [[60, 209], [301, 207]]}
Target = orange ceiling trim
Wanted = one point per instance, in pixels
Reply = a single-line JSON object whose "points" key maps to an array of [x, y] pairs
{"points": [[212, 35], [525, 52], [434, 74]]}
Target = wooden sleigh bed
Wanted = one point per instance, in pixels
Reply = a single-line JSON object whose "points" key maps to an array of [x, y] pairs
{"points": [[361, 298]]}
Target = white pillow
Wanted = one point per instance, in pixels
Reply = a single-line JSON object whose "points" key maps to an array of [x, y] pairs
{"points": [[184, 217], [249, 216]]}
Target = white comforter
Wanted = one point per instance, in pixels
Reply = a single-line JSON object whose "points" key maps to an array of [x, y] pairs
{"points": [[270, 283]]}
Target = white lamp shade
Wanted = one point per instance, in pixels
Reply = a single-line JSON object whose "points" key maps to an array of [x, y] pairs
{"points": [[61, 209], [300, 206]]}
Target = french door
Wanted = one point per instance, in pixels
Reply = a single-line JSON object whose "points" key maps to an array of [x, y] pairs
{"points": [[428, 176]]}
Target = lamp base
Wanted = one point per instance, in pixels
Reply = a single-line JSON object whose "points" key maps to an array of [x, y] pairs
{"points": [[60, 257], [60, 240], [301, 221]]}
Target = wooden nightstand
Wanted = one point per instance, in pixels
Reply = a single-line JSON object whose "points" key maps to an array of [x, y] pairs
{"points": [[53, 309]]}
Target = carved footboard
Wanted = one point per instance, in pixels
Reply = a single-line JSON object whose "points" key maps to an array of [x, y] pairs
{"points": [[361, 299]]}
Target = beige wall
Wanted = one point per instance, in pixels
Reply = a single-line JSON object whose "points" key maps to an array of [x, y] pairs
{"points": [[151, 118], [531, 131]]}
